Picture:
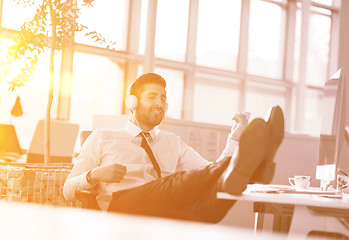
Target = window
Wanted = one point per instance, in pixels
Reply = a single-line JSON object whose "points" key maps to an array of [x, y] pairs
{"points": [[265, 42], [215, 102], [318, 49], [313, 111], [33, 98], [174, 89], [171, 29], [218, 57], [108, 18], [14, 15], [260, 99], [311, 69], [97, 88], [218, 34]]}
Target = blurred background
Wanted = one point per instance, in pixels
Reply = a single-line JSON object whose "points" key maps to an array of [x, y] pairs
{"points": [[218, 57]]}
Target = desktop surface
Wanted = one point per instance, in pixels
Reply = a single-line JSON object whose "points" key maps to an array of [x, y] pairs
{"points": [[284, 194], [297, 212], [35, 222]]}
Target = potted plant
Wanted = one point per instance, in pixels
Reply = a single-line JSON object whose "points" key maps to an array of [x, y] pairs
{"points": [[52, 29]]}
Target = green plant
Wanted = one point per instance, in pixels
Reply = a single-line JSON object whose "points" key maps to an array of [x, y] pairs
{"points": [[52, 28]]}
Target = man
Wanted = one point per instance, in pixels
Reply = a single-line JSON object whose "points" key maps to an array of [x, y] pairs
{"points": [[180, 183]]}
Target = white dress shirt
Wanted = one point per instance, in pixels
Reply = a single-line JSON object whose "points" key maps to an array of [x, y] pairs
{"points": [[123, 147]]}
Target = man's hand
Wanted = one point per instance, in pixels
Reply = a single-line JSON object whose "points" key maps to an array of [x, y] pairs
{"points": [[240, 122], [108, 173]]}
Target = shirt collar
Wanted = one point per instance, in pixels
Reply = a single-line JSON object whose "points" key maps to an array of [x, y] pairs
{"points": [[134, 130]]}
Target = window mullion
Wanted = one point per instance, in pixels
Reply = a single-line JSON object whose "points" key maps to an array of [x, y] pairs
{"points": [[334, 46], [134, 22], [192, 31], [301, 86], [133, 36], [189, 78], [244, 28], [1, 10], [288, 69], [150, 37], [243, 50]]}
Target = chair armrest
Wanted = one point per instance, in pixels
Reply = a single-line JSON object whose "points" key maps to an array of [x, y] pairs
{"points": [[88, 198]]}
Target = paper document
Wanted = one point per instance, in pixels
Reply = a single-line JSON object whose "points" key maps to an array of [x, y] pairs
{"points": [[266, 188]]}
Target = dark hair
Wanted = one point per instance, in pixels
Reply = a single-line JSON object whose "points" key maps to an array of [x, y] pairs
{"points": [[135, 87]]}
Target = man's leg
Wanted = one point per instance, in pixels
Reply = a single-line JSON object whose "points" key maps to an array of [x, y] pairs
{"points": [[173, 196], [265, 170], [253, 146], [192, 195]]}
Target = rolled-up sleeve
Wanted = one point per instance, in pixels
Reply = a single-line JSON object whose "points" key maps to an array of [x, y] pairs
{"points": [[189, 158], [230, 147]]}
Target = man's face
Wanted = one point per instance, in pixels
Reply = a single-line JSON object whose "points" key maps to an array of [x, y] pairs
{"points": [[151, 106]]}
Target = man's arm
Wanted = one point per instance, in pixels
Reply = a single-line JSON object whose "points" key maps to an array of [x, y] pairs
{"points": [[88, 159], [87, 171], [240, 122], [108, 173]]}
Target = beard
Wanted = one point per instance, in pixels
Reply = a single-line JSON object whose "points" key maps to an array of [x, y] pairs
{"points": [[150, 116]]}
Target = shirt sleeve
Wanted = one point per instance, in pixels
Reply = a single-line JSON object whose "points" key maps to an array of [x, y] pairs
{"points": [[230, 147], [189, 158], [89, 158]]}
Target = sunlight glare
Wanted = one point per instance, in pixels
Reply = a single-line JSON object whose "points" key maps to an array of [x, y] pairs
{"points": [[266, 43], [171, 29], [14, 15]]}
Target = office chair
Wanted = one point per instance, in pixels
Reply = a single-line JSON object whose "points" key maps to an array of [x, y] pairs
{"points": [[87, 199]]}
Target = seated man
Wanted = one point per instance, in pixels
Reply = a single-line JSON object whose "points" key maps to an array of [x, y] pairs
{"points": [[142, 170]]}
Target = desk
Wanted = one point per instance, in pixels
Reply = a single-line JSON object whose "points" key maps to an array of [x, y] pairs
{"points": [[41, 222], [292, 209]]}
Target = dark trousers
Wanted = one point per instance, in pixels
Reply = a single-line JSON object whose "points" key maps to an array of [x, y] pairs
{"points": [[186, 195]]}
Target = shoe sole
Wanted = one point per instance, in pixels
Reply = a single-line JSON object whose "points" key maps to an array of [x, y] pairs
{"points": [[253, 145], [266, 170]]}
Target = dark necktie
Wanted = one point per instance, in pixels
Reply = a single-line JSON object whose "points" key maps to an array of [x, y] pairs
{"points": [[146, 138]]}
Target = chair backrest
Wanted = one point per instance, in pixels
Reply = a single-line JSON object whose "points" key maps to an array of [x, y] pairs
{"points": [[83, 136], [62, 140]]}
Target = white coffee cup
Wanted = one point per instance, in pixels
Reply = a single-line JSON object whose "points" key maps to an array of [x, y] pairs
{"points": [[300, 182]]}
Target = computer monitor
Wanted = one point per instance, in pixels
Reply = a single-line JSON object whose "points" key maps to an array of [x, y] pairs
{"points": [[334, 145]]}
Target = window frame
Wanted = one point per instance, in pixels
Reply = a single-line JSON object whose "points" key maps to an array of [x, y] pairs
{"points": [[294, 108]]}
